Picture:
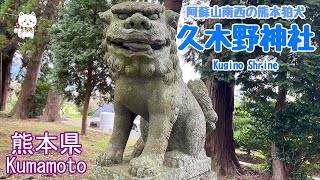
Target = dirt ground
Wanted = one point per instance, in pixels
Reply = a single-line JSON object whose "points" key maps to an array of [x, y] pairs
{"points": [[92, 144], [245, 177]]}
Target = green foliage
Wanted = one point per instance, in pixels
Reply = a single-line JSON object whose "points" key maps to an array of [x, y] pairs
{"points": [[298, 75], [298, 125], [246, 134], [75, 43], [90, 110], [9, 11], [293, 130], [39, 98], [31, 49], [3, 40]]}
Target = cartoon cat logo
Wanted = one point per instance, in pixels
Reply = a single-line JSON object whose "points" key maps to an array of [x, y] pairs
{"points": [[26, 25]]}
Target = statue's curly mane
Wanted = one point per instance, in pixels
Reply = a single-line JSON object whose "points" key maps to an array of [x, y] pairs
{"points": [[168, 68]]}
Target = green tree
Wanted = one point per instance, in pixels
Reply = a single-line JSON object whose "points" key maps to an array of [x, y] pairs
{"points": [[221, 84], [8, 46], [77, 54], [31, 48], [39, 98], [245, 130], [297, 76], [220, 143], [293, 129]]}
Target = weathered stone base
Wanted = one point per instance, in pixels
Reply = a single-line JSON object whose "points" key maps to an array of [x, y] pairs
{"points": [[206, 176], [196, 170]]}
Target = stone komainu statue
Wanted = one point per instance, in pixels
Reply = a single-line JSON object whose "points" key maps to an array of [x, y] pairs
{"points": [[142, 58]]}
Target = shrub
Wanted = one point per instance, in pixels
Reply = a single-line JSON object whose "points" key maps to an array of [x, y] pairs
{"points": [[39, 98], [294, 130], [246, 134]]}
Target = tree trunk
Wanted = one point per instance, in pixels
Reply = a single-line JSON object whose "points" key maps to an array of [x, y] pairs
{"points": [[52, 110], [138, 148], [87, 98], [219, 143], [1, 92], [174, 5], [24, 103], [6, 78], [280, 170]]}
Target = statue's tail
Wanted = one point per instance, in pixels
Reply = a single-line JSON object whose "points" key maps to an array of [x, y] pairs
{"points": [[200, 92]]}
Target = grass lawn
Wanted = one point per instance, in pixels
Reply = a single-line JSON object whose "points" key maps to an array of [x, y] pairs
{"points": [[74, 116], [92, 144], [255, 154]]}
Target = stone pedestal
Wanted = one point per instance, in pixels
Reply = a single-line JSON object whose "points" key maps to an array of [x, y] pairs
{"points": [[195, 170]]}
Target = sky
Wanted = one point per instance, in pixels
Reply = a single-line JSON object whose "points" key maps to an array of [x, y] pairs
{"points": [[188, 71], [187, 68]]}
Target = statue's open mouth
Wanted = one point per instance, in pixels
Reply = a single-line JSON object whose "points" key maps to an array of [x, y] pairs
{"points": [[137, 44]]}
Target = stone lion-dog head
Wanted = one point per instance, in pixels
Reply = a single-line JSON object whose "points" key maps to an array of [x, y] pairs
{"points": [[140, 41]]}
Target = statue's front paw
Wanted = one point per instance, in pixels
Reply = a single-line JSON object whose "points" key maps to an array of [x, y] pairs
{"points": [[145, 165], [111, 156], [176, 159]]}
